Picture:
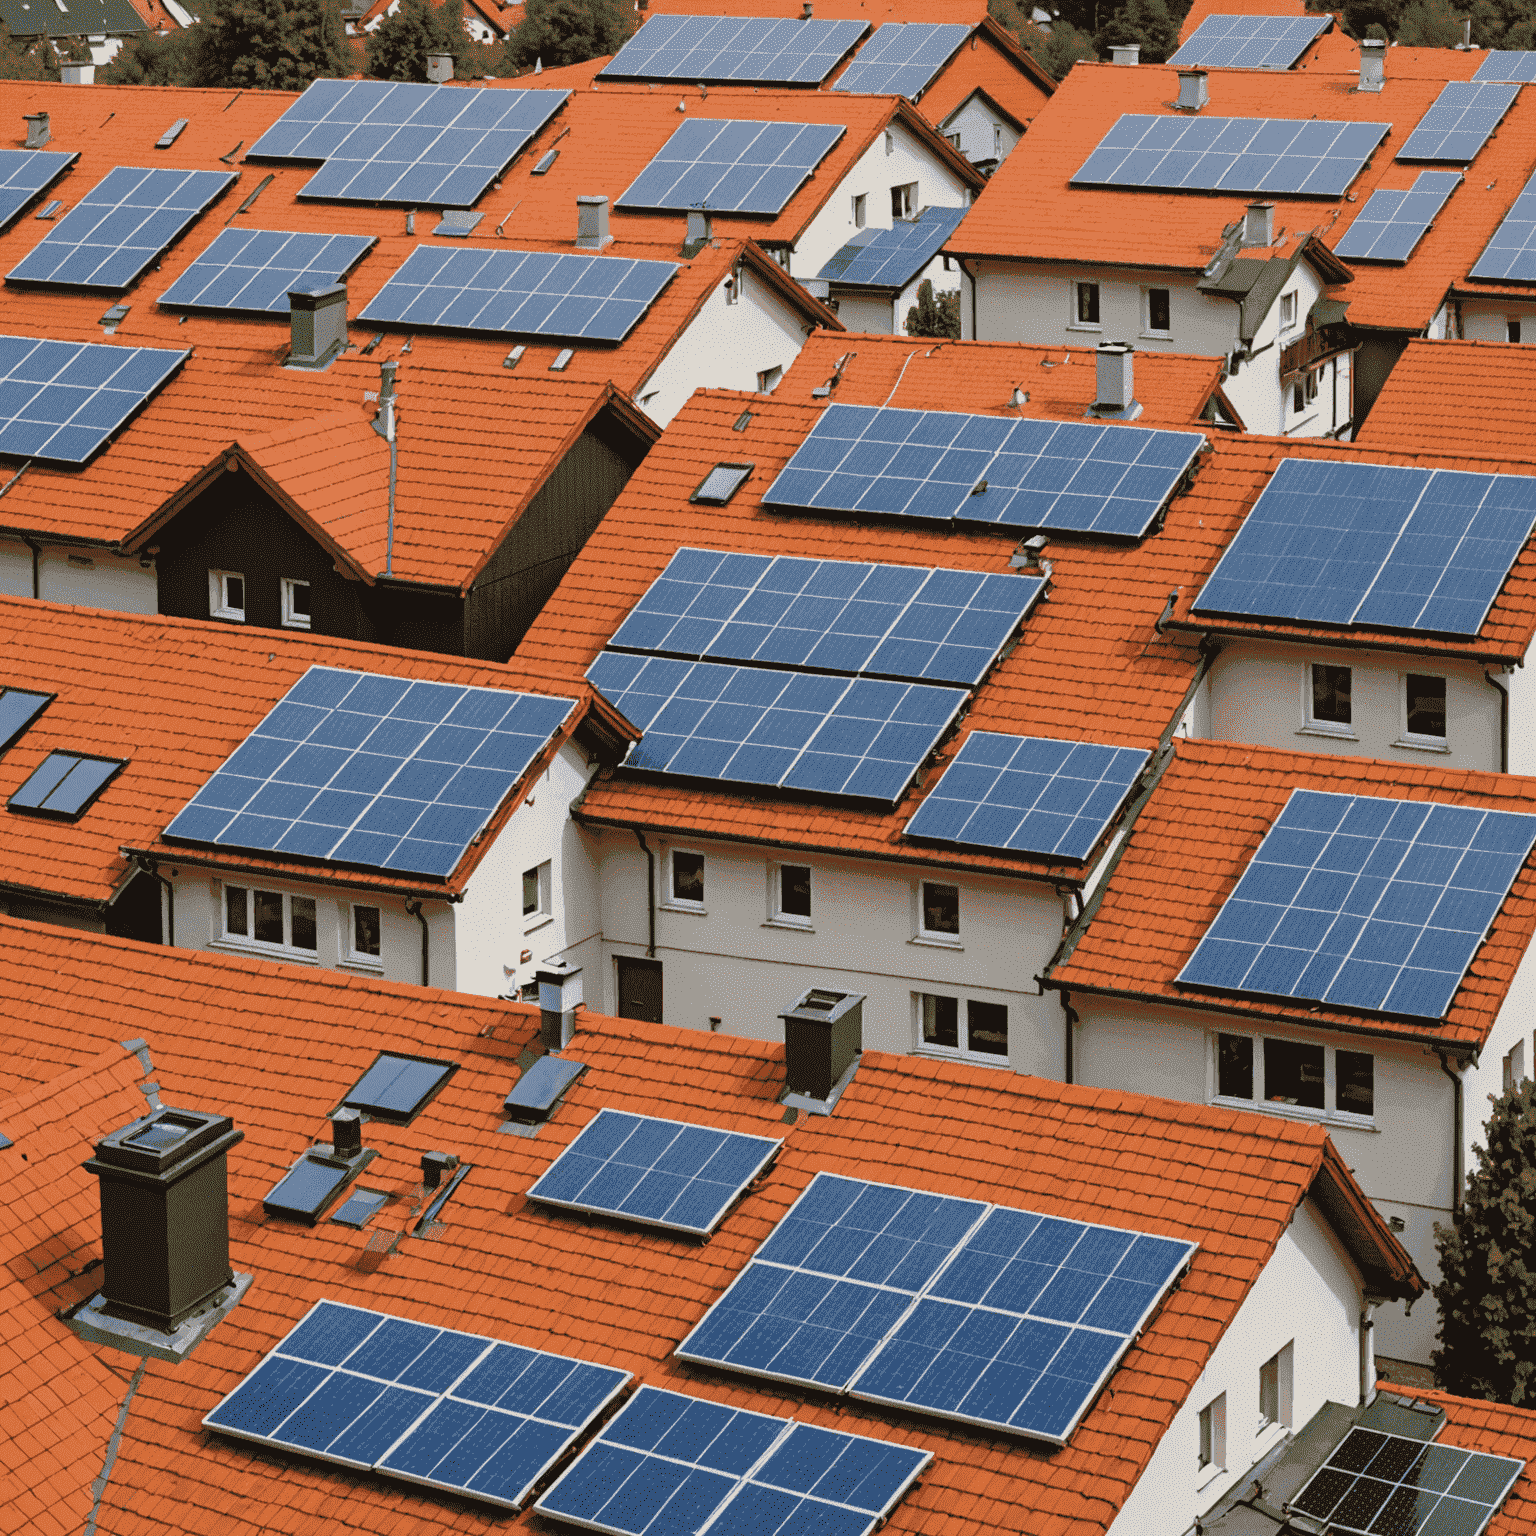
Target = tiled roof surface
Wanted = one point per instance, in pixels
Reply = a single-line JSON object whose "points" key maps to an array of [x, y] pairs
{"points": [[873, 11], [1192, 842], [496, 1265], [174, 697], [1498, 1430], [981, 376]]}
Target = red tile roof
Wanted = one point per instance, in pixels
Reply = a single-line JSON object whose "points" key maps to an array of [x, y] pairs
{"points": [[1230, 1182], [1192, 842]]}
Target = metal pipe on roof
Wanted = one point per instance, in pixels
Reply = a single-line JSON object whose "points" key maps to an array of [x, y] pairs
{"points": [[1069, 1062]]}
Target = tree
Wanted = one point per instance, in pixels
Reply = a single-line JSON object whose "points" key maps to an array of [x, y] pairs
{"points": [[152, 58], [28, 58], [1429, 24], [397, 48], [934, 314], [277, 45], [1059, 49], [1487, 1291], [1146, 22], [567, 32]]}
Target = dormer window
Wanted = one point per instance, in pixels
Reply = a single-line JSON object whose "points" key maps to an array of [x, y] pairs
{"points": [[1287, 311]]}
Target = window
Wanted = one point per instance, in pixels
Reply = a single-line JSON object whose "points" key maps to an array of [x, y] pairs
{"points": [[1354, 1083], [1287, 310], [366, 935], [1298, 396], [1158, 317], [953, 139], [1213, 1434], [687, 886], [295, 603], [722, 482], [1293, 1073], [1328, 699], [977, 1028], [536, 892], [1085, 304], [904, 200], [1514, 1067], [790, 894], [1275, 1389], [997, 140], [65, 785], [1512, 329], [938, 910], [19, 707], [398, 1088], [1424, 706], [860, 210], [768, 379], [226, 595], [269, 917], [1297, 1074]]}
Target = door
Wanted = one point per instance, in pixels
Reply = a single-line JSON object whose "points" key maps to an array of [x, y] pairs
{"points": [[640, 989]]}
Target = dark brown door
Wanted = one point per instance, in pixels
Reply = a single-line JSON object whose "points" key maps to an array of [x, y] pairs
{"points": [[640, 989]]}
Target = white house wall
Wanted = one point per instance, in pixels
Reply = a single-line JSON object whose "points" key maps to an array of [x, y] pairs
{"points": [[1521, 683], [1490, 321], [983, 134], [85, 578]]}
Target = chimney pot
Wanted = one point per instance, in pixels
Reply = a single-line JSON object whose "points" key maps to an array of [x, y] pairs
{"points": [[434, 1165], [38, 133], [560, 995], [347, 1133], [807, 11], [700, 226], [1194, 89], [1125, 53], [439, 68], [1259, 224], [823, 1033], [592, 223], [317, 323], [1373, 64], [1116, 376]]}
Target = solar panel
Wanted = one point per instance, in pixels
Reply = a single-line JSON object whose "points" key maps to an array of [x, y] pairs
{"points": [[977, 1312], [670, 1464], [1308, 158], [19, 707], [255, 269], [65, 785], [1028, 794], [1366, 903], [734, 48], [538, 293], [901, 58], [397, 1088], [1507, 64], [1510, 256], [830, 615], [766, 725], [891, 258], [1459, 122], [437, 146], [1086, 477], [375, 771], [1388, 1483], [121, 225], [732, 167], [659, 1172], [1392, 223], [1387, 545], [1249, 42], [26, 173], [430, 1405]]}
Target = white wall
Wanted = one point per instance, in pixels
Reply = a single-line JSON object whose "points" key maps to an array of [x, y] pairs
{"points": [[1490, 321], [983, 134], [1521, 683], [89, 578], [872, 312]]}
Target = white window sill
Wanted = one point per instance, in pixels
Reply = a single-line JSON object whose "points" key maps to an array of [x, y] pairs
{"points": [[265, 951], [970, 1058], [692, 908], [295, 623], [798, 924], [1300, 1112], [234, 615], [937, 941], [1156, 335], [1079, 325], [1207, 1476], [1422, 743], [536, 921], [1328, 728], [366, 964]]}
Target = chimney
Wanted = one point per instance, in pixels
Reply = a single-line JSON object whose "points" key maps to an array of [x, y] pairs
{"points": [[807, 11], [384, 422], [1116, 377], [439, 68], [347, 1134], [1194, 92], [37, 129], [434, 1165], [1125, 53], [823, 1033], [1373, 63], [559, 998], [164, 1215], [699, 225], [592, 224], [317, 321], [1259, 225], [77, 74], [1466, 33]]}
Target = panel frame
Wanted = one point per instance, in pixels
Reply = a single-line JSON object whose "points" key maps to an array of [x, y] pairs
{"points": [[1191, 56]]}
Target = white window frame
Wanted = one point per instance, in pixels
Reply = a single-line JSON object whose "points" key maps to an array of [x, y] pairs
{"points": [[1146, 311], [1211, 1439], [1310, 724], [544, 909], [1280, 1369], [1514, 1066], [291, 618], [777, 916], [673, 903], [247, 942], [1327, 1115], [860, 210], [910, 201], [1289, 305], [921, 932], [962, 1051], [356, 957], [219, 606], [1073, 323], [1414, 740]]}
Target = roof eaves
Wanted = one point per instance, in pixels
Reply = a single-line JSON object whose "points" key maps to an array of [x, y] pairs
{"points": [[992, 105], [1382, 1261], [1240, 629]]}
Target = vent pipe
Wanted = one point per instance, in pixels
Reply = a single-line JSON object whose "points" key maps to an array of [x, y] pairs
{"points": [[1466, 34], [1259, 225], [807, 11], [439, 68], [592, 223], [1373, 64], [1194, 91], [1116, 362], [38, 133], [823, 1034], [700, 227], [347, 1134], [559, 997], [317, 322], [1125, 53]]}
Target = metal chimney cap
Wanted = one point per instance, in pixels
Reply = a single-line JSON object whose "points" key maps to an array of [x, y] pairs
{"points": [[823, 1005], [165, 1140], [316, 298]]}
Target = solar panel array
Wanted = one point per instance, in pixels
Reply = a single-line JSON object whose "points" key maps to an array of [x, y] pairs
{"points": [[1365, 903], [1392, 223], [1277, 156], [660, 1172], [1028, 794], [901, 621], [1459, 122], [121, 225], [976, 1312], [61, 400], [732, 167], [767, 725], [1249, 42], [902, 57], [529, 293], [1507, 64], [430, 1405], [375, 771], [734, 48], [1389, 1485], [673, 1465], [1086, 477], [254, 270], [435, 146], [1376, 544], [24, 173], [891, 258], [1510, 256]]}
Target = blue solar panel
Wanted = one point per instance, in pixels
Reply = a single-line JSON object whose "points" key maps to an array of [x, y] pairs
{"points": [[831, 615], [25, 173], [673, 1465], [1332, 542], [1510, 256], [891, 258], [254, 269], [1028, 794], [61, 400], [1087, 477], [431, 1405], [1507, 64], [529, 293], [65, 785], [380, 772], [765, 725], [732, 167], [1392, 223], [901, 58], [1308, 158], [121, 225], [734, 48], [19, 707], [437, 146], [971, 1311], [1250, 42], [660, 1172], [1364, 903], [1459, 122]]}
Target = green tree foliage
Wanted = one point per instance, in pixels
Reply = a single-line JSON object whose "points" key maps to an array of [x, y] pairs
{"points": [[567, 32], [1059, 49], [1487, 1293], [934, 314], [1147, 22], [1429, 24], [397, 48], [277, 45], [152, 58], [26, 58]]}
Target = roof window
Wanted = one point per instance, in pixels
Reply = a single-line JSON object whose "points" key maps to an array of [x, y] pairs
{"points": [[65, 785], [398, 1088], [540, 1088], [50, 209], [721, 483], [458, 221], [19, 707], [171, 134], [543, 167]]}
